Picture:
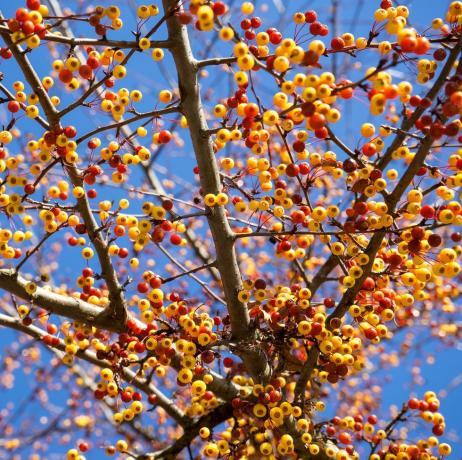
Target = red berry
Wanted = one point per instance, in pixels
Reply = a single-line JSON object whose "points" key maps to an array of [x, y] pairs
{"points": [[337, 43], [165, 137], [246, 24], [310, 16], [70, 132], [65, 75], [33, 4], [438, 430], [22, 14], [28, 27], [29, 189], [219, 8], [372, 419], [175, 239], [40, 30], [369, 149], [83, 446], [256, 22], [13, 106], [275, 38], [440, 54], [123, 252], [371, 333], [434, 240], [126, 396], [142, 287], [292, 170]]}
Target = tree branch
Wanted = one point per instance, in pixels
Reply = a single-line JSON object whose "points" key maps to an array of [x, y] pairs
{"points": [[86, 355], [117, 307], [191, 103]]}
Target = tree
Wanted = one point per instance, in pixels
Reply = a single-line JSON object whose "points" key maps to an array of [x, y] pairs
{"points": [[217, 316]]}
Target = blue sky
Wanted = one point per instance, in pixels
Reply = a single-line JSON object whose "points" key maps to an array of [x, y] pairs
{"points": [[353, 16]]}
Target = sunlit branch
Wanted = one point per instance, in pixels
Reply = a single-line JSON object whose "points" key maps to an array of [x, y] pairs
{"points": [[63, 305], [353, 155], [86, 355], [217, 416]]}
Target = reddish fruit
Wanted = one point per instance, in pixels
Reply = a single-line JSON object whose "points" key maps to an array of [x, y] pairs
{"points": [[315, 28], [22, 14], [371, 333], [344, 438], [83, 446], [29, 189], [165, 137], [123, 252], [292, 170], [369, 149], [337, 43], [86, 72], [219, 8], [310, 16], [126, 396], [434, 240], [142, 288], [246, 24], [28, 27], [368, 284], [256, 22], [409, 44], [275, 38], [439, 54], [33, 4], [65, 75], [70, 132], [317, 121]]}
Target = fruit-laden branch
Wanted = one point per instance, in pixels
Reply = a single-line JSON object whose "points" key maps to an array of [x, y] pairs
{"points": [[72, 41], [58, 304], [129, 376], [140, 116], [408, 122], [151, 177], [116, 308], [94, 87], [378, 238], [406, 125], [217, 416], [9, 95], [254, 358], [108, 407], [224, 389]]}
